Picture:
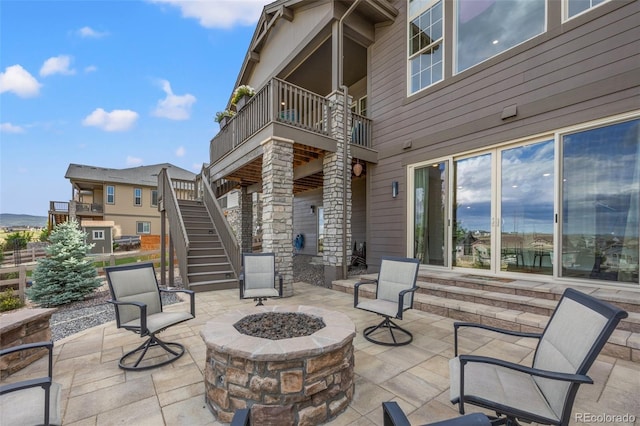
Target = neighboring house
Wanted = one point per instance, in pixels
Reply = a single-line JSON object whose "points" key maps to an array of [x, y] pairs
{"points": [[127, 197], [507, 121]]}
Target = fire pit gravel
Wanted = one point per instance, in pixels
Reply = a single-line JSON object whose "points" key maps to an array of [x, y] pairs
{"points": [[279, 325]]}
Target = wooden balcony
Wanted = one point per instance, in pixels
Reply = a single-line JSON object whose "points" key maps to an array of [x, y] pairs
{"points": [[282, 110]]}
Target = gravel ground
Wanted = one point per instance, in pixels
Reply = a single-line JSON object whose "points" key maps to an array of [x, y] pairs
{"points": [[77, 316]]}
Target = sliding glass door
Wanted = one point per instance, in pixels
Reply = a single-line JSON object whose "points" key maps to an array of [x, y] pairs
{"points": [[430, 214]]}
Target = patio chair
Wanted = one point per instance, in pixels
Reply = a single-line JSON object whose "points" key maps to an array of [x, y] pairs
{"points": [[137, 299], [31, 401], [258, 277], [395, 287], [544, 393], [394, 416]]}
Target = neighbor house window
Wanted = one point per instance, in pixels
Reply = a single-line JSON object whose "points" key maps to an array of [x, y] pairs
{"points": [[485, 28], [137, 196], [154, 198], [425, 44], [575, 7], [111, 194], [143, 227], [98, 235]]}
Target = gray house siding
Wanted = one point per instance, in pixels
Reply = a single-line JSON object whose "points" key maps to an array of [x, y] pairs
{"points": [[305, 222], [584, 69]]}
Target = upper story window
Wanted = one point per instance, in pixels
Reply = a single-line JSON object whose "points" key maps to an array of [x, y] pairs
{"points": [[425, 43], [485, 28], [575, 7], [137, 196], [154, 198], [111, 194]]}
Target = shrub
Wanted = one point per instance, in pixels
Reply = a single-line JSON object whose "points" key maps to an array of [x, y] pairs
{"points": [[65, 275], [18, 240], [9, 300]]}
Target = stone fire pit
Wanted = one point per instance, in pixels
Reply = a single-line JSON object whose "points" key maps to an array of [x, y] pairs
{"points": [[285, 381]]}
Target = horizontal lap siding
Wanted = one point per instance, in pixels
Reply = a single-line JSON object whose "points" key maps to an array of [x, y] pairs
{"points": [[581, 71]]}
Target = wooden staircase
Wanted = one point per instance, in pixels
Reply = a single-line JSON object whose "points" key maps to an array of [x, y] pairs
{"points": [[511, 303], [208, 266]]}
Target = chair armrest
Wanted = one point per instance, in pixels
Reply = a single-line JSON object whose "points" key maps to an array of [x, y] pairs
{"points": [[42, 382], [554, 375], [143, 313], [191, 294], [35, 345], [401, 300], [241, 283], [457, 325], [393, 415], [241, 417], [279, 284], [357, 285]]}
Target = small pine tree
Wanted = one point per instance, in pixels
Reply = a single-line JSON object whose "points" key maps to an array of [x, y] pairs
{"points": [[65, 275]]}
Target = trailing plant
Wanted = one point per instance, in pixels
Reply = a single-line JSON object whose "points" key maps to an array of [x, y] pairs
{"points": [[241, 91], [65, 275], [220, 115]]}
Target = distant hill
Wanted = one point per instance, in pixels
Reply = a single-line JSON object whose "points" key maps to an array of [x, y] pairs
{"points": [[9, 220]]}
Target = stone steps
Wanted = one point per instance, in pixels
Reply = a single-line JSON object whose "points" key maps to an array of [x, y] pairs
{"points": [[465, 300]]}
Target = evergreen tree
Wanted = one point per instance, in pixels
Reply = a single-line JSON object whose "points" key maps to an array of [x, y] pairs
{"points": [[65, 275]]}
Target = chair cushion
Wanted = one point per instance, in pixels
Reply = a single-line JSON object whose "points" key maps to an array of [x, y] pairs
{"points": [[382, 307], [161, 320], [261, 292], [498, 384], [26, 407], [259, 272]]}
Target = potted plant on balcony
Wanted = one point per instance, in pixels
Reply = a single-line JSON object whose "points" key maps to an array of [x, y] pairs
{"points": [[222, 117], [241, 95]]}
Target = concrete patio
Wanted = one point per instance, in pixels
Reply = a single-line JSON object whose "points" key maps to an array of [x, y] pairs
{"points": [[97, 392]]}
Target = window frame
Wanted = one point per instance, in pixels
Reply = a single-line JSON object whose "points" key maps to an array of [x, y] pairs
{"points": [[112, 195], [144, 225], [565, 9], [154, 196], [98, 234], [137, 199], [439, 42]]}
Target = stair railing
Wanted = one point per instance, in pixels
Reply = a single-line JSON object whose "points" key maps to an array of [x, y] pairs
{"points": [[167, 198], [228, 238]]}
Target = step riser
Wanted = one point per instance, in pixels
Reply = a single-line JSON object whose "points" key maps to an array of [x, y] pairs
{"points": [[200, 260], [206, 252], [210, 276], [208, 267], [213, 287], [205, 245]]}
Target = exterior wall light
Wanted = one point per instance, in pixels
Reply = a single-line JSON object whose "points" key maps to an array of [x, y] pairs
{"points": [[394, 188]]}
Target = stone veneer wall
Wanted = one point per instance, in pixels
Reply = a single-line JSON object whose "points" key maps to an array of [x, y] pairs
{"points": [[20, 327], [305, 391], [277, 207]]}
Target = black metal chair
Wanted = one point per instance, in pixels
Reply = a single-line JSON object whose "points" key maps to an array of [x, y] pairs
{"points": [[259, 276], [395, 287], [394, 416], [32, 401], [545, 392], [138, 304]]}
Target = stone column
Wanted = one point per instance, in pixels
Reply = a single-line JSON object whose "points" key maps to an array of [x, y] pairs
{"points": [[337, 214], [277, 206], [245, 206]]}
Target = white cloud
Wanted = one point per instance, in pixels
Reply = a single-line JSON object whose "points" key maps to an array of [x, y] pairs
{"points": [[57, 65], [133, 161], [174, 107], [117, 120], [90, 68], [10, 128], [219, 13], [18, 80], [88, 32], [180, 151]]}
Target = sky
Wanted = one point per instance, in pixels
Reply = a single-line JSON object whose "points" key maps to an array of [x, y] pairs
{"points": [[114, 84]]}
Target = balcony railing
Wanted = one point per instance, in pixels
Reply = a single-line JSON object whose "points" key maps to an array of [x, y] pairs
{"points": [[277, 101], [88, 208]]}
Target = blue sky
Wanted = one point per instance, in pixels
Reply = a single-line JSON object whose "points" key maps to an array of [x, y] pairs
{"points": [[113, 84]]}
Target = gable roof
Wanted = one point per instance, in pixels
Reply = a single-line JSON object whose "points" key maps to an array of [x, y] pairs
{"points": [[142, 175]]}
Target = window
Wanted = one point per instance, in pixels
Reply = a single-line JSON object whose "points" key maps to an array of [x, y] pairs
{"points": [[98, 235], [137, 196], [600, 186], [111, 194], [425, 44], [485, 28], [154, 198], [562, 206], [574, 7], [143, 227]]}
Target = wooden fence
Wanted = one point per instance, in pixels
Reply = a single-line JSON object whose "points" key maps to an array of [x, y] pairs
{"points": [[107, 260]]}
